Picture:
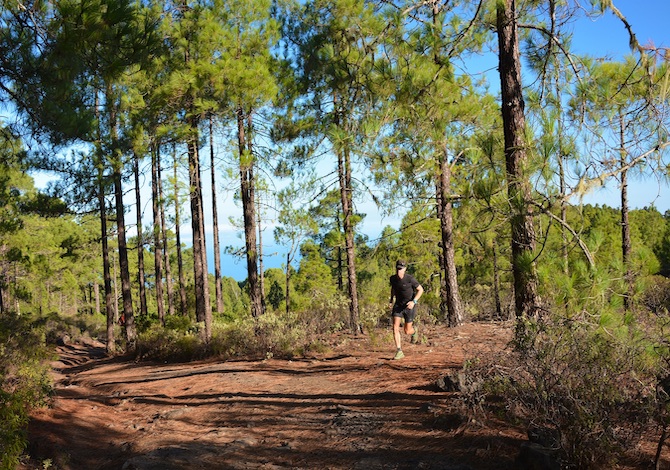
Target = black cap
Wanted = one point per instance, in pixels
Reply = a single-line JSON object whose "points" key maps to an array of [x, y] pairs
{"points": [[400, 264]]}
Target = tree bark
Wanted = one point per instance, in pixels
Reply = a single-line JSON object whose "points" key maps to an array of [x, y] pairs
{"points": [[344, 173], [203, 310], [496, 280], [110, 301], [261, 269], [248, 209], [453, 297], [166, 251], [158, 248], [562, 188], [141, 279], [625, 225], [177, 223], [115, 303], [215, 220], [444, 310], [96, 296], [124, 269], [526, 299], [288, 282]]}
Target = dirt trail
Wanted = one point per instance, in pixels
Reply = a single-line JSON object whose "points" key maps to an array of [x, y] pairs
{"points": [[351, 408]]}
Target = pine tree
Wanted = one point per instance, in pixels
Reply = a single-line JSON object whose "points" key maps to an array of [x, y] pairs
{"points": [[335, 65], [526, 298]]}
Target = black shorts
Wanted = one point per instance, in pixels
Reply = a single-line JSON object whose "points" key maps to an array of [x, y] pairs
{"points": [[403, 312]]}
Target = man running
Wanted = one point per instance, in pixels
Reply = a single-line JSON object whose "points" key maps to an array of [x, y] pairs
{"points": [[406, 291]]}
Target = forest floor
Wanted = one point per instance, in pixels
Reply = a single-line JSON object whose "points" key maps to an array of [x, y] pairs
{"points": [[351, 407]]}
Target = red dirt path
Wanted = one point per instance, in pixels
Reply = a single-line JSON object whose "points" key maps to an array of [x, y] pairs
{"points": [[350, 408]]}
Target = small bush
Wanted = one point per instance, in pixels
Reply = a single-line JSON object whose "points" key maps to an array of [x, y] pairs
{"points": [[24, 382], [580, 379], [163, 344], [656, 295], [270, 335]]}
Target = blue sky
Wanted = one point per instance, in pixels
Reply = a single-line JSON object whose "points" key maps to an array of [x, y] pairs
{"points": [[607, 36]]}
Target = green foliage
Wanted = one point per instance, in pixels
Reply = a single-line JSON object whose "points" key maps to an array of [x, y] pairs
{"points": [[274, 334], [585, 379], [24, 382]]}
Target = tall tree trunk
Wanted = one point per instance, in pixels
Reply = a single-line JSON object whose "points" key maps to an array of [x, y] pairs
{"points": [[453, 297], [562, 186], [177, 230], [248, 209], [115, 283], [158, 248], [166, 251], [96, 295], [340, 257], [344, 173], [496, 279], [261, 269], [288, 282], [140, 240], [124, 268], [3, 294], [526, 299], [564, 213], [625, 224], [203, 310], [110, 301], [444, 311], [215, 220]]}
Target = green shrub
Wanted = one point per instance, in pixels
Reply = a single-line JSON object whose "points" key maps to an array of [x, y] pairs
{"points": [[162, 344], [274, 334], [24, 382], [583, 379]]}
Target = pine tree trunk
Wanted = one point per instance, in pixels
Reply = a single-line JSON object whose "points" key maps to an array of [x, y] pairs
{"points": [[3, 294], [625, 224], [344, 172], [288, 282], [453, 297], [444, 311], [203, 311], [177, 223], [340, 259], [115, 277], [496, 280], [261, 269], [158, 248], [248, 211], [526, 299], [96, 295], [166, 251], [140, 240], [124, 267], [564, 215], [215, 220], [106, 274], [562, 189]]}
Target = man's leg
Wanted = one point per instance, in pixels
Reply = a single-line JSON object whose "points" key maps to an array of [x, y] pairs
{"points": [[409, 325], [396, 332]]}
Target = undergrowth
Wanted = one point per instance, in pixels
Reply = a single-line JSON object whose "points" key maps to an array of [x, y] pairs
{"points": [[588, 380], [24, 382], [274, 334]]}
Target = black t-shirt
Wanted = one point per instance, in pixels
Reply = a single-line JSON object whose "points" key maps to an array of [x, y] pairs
{"points": [[403, 288]]}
